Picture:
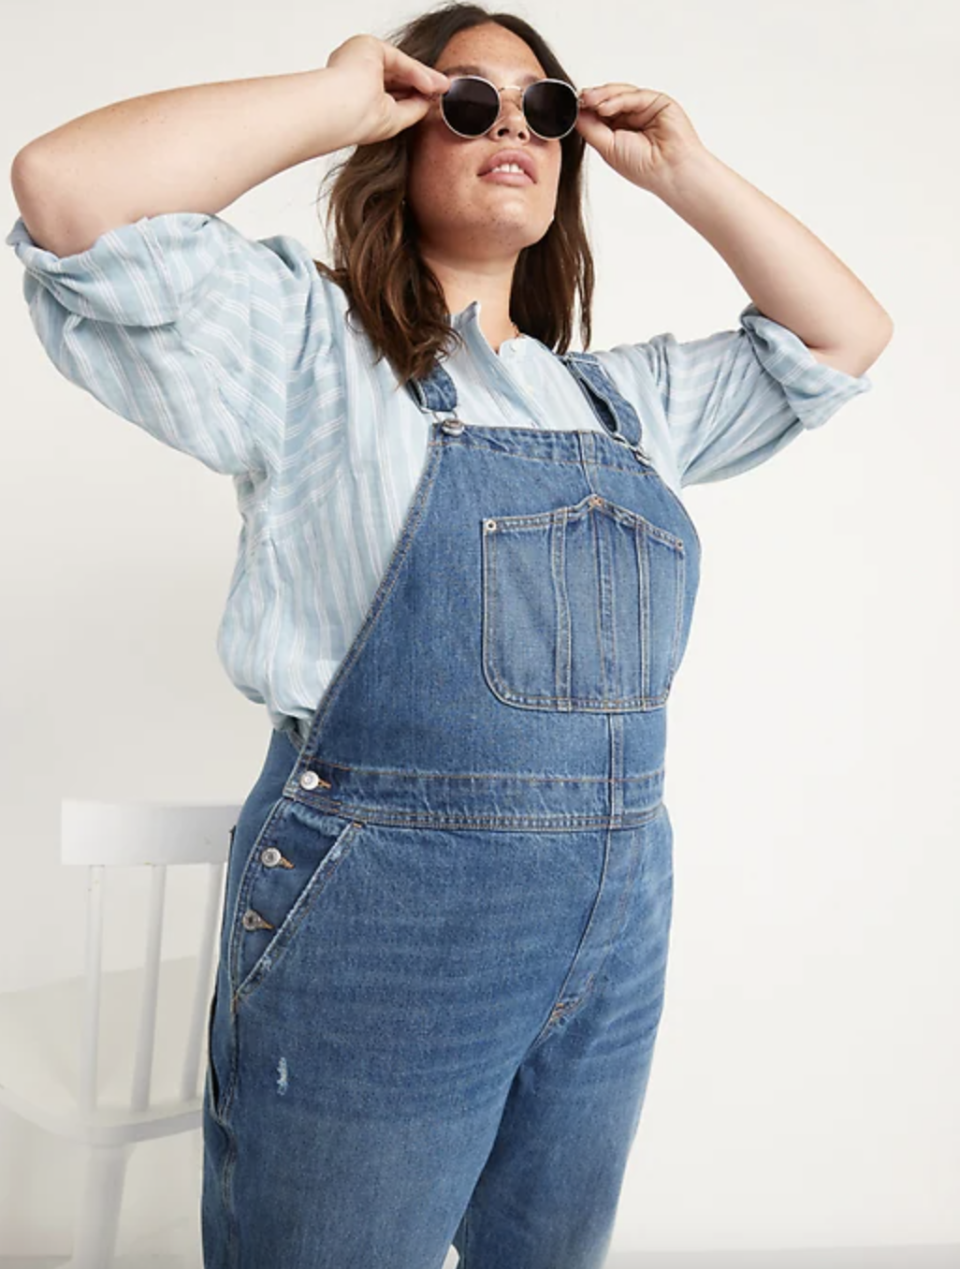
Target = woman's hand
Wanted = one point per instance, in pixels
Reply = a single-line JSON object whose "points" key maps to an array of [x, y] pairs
{"points": [[384, 89], [644, 135]]}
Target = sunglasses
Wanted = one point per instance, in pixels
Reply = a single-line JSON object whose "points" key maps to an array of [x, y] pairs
{"points": [[471, 106]]}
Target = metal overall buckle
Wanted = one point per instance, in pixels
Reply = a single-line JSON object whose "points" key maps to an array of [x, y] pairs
{"points": [[637, 450]]}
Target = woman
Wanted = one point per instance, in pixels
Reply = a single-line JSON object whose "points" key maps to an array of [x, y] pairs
{"points": [[464, 604]]}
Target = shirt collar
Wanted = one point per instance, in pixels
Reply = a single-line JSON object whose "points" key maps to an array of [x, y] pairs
{"points": [[466, 315], [467, 321]]}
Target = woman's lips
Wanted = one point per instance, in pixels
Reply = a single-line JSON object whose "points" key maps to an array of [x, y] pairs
{"points": [[508, 178]]}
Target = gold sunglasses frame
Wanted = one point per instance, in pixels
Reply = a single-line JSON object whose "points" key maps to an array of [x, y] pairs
{"points": [[548, 79]]}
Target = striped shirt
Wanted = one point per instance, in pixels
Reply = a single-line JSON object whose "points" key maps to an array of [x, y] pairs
{"points": [[238, 352]]}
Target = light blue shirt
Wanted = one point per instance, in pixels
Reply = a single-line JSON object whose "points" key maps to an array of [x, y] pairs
{"points": [[238, 352]]}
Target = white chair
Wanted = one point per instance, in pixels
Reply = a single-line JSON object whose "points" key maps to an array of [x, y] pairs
{"points": [[51, 1070]]}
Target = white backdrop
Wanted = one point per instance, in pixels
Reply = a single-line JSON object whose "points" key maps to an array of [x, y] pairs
{"points": [[804, 1089]]}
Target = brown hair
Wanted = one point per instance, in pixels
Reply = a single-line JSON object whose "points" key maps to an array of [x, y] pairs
{"points": [[391, 290]]}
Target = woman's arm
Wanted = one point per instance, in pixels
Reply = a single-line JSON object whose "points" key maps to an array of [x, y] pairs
{"points": [[786, 270], [196, 148], [788, 273]]}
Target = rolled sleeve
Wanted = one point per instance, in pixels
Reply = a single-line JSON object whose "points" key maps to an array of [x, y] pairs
{"points": [[814, 391], [730, 401], [182, 325]]}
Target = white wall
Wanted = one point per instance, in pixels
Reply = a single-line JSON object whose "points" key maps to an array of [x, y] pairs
{"points": [[804, 1090]]}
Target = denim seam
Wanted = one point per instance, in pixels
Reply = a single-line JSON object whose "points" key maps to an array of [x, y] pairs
{"points": [[226, 1182], [563, 1008], [499, 775], [573, 704], [544, 823], [566, 1009], [678, 625], [637, 869], [598, 614]]}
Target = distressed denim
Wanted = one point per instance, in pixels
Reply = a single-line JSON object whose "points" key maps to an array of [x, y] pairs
{"points": [[447, 910]]}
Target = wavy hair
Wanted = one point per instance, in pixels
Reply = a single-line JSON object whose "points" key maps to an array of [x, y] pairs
{"points": [[391, 290]]}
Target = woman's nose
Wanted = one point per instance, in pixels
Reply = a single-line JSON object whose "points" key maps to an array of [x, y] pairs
{"points": [[511, 108]]}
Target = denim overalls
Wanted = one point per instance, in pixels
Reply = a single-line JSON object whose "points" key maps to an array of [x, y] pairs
{"points": [[446, 917]]}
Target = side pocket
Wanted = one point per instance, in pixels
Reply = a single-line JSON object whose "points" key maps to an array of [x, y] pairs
{"points": [[295, 860], [212, 1082]]}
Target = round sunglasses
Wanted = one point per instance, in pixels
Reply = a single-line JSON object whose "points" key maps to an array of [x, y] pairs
{"points": [[471, 106]]}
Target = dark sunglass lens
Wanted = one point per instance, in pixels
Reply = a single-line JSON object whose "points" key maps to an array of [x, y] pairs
{"points": [[470, 106], [551, 108]]}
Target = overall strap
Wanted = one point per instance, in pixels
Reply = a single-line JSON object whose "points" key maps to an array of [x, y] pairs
{"points": [[615, 412], [437, 392]]}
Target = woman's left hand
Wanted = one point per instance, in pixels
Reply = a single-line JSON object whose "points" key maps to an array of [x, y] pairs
{"points": [[644, 135]]}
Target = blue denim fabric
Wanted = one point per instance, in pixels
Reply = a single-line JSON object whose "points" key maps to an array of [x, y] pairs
{"points": [[447, 912]]}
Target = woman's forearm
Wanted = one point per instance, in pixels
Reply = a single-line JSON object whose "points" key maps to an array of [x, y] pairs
{"points": [[196, 148], [786, 270]]}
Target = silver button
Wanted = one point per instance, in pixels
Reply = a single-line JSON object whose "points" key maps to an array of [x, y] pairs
{"points": [[271, 857], [452, 427], [252, 920], [489, 525], [309, 780]]}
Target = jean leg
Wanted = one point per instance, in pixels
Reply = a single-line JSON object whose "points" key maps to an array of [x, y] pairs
{"points": [[548, 1194]]}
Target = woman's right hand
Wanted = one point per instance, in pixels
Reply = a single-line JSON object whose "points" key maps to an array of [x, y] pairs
{"points": [[388, 89]]}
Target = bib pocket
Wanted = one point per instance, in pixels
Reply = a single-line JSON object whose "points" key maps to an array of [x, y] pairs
{"points": [[582, 608]]}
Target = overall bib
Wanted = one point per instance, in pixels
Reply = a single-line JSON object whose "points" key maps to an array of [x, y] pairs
{"points": [[446, 916]]}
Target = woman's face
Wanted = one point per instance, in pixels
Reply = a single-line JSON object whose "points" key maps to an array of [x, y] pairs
{"points": [[459, 214]]}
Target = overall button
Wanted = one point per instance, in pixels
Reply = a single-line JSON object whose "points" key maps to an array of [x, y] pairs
{"points": [[252, 920], [452, 427], [271, 857], [310, 780]]}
